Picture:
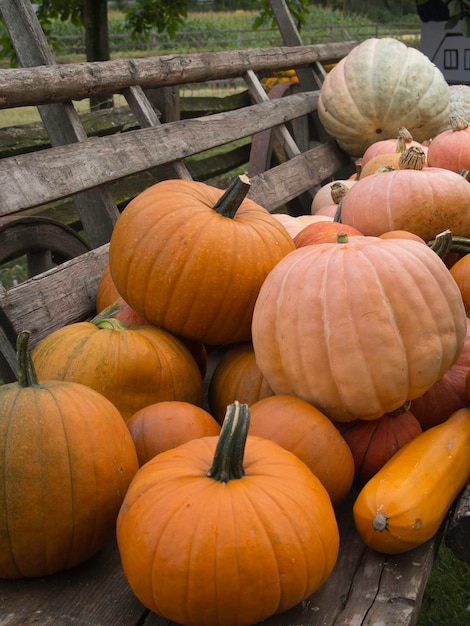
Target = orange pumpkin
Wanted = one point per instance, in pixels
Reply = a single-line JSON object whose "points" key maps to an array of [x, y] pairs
{"points": [[374, 442], [132, 366], [225, 530], [460, 271], [236, 377], [107, 296], [66, 461], [360, 327], [450, 149], [401, 234], [165, 425], [191, 258], [323, 232], [448, 394], [302, 429], [402, 141], [424, 202]]}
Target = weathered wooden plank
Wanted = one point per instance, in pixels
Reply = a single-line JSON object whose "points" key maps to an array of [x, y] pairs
{"points": [[365, 589], [457, 535], [76, 81], [98, 211], [62, 171]]}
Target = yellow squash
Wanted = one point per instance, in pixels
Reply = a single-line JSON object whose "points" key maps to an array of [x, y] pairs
{"points": [[404, 504]]}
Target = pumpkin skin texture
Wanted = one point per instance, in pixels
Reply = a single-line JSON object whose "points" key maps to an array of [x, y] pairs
{"points": [[405, 503], [236, 377], [323, 232], [450, 149], [203, 546], [302, 429], [108, 296], [425, 202], [374, 442], [165, 425], [358, 328], [133, 367], [448, 394], [367, 96], [66, 461], [460, 272], [190, 269]]}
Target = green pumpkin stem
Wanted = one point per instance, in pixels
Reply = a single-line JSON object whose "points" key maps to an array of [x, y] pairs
{"points": [[227, 205], [26, 372], [109, 311], [446, 242], [228, 458], [109, 323]]}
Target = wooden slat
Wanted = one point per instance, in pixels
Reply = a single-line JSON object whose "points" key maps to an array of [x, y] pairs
{"points": [[62, 171], [97, 209], [365, 589], [76, 81]]}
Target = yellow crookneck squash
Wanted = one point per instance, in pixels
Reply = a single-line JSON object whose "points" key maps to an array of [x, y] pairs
{"points": [[405, 503]]}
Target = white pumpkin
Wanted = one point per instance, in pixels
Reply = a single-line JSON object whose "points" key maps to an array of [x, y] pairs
{"points": [[380, 86]]}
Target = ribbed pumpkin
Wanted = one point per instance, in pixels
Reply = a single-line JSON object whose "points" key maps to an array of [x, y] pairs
{"points": [[424, 202], [401, 142], [165, 425], [132, 366], [191, 258], [225, 531], [107, 296], [360, 327], [380, 86], [460, 271], [448, 394], [66, 461], [323, 232], [305, 431], [450, 149], [374, 442], [236, 377]]}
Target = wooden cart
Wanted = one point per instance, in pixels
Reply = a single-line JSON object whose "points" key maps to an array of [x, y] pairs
{"points": [[365, 587]]}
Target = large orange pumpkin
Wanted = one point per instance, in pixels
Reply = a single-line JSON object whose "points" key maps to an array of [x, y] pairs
{"points": [[168, 424], [226, 530], [360, 327], [132, 366], [66, 461], [191, 258], [424, 202], [302, 429]]}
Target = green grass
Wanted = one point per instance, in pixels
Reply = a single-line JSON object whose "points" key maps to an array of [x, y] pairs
{"points": [[446, 600]]}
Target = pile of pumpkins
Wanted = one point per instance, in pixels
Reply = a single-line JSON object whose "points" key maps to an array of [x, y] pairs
{"points": [[244, 375]]}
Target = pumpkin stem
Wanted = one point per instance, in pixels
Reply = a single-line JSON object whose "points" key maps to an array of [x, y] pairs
{"points": [[227, 205], [109, 323], [109, 311], [228, 457], [339, 211], [26, 372]]}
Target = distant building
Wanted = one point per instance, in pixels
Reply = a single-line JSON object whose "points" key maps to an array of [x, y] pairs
{"points": [[448, 49]]}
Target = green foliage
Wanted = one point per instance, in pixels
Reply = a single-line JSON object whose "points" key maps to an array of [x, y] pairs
{"points": [[299, 10], [164, 15]]}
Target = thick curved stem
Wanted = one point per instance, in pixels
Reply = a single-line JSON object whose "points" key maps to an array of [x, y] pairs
{"points": [[228, 204], [228, 458]]}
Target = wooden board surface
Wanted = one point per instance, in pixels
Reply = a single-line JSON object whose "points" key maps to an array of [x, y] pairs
{"points": [[364, 589]]}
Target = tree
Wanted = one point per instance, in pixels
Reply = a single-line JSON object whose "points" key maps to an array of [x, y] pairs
{"points": [[450, 11]]}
